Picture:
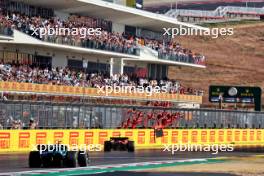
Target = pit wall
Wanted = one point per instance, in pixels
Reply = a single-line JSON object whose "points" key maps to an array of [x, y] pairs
{"points": [[25, 140]]}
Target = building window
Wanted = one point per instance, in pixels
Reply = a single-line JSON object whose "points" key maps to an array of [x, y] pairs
{"points": [[95, 67], [75, 64], [129, 70], [42, 61], [158, 71], [16, 57]]}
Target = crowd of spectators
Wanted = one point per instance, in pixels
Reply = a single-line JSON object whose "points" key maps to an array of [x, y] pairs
{"points": [[25, 121], [18, 124], [69, 77], [172, 50], [106, 41], [156, 120]]}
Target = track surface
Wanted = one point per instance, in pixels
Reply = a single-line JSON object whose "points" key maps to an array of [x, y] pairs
{"points": [[19, 162]]}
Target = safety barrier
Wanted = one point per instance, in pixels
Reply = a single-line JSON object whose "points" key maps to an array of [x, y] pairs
{"points": [[25, 140], [52, 115], [82, 91]]}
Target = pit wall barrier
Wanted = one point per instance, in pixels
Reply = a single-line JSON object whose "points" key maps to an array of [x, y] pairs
{"points": [[82, 91], [25, 140]]}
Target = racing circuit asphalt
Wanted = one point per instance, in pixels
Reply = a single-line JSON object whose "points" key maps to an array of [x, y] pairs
{"points": [[19, 162]]}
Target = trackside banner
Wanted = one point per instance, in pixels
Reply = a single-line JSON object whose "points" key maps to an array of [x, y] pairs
{"points": [[71, 90], [26, 140]]}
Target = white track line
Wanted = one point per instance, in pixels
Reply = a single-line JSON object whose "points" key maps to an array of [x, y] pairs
{"points": [[102, 166]]}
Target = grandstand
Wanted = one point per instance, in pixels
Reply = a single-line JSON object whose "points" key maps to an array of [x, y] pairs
{"points": [[165, 5], [209, 11], [222, 13], [129, 52]]}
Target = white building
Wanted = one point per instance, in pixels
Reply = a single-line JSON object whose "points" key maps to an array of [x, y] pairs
{"points": [[123, 19]]}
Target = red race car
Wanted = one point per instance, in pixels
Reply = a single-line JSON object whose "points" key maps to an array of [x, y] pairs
{"points": [[119, 144]]}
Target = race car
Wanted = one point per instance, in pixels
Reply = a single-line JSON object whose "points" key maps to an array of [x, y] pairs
{"points": [[57, 156], [120, 144]]}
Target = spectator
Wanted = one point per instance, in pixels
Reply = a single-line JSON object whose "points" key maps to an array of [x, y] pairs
{"points": [[32, 124], [17, 124], [68, 77]]}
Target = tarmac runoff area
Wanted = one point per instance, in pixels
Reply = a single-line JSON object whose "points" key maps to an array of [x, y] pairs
{"points": [[242, 166], [148, 163]]}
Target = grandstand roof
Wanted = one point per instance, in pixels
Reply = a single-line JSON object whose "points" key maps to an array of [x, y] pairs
{"points": [[155, 2], [113, 12]]}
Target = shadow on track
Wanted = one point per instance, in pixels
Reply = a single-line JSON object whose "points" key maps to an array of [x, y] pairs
{"points": [[161, 174]]}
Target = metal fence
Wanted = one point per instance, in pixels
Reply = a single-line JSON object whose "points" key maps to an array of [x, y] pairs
{"points": [[93, 44], [221, 11], [52, 116], [182, 58]]}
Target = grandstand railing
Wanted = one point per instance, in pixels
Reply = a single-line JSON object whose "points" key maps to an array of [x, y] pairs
{"points": [[137, 50], [245, 10], [182, 12], [94, 92], [220, 12], [172, 57], [182, 58], [123, 49], [93, 44], [7, 31], [52, 116], [148, 51]]}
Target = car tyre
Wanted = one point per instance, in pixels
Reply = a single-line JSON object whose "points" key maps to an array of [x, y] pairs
{"points": [[57, 161], [47, 161], [34, 160], [71, 159], [83, 159], [107, 146], [131, 146]]}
